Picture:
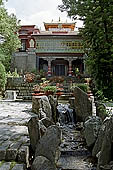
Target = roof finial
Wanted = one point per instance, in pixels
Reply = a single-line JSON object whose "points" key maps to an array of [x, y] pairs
{"points": [[59, 19]]}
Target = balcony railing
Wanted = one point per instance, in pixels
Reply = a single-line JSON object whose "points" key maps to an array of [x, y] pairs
{"points": [[42, 50], [59, 46]]}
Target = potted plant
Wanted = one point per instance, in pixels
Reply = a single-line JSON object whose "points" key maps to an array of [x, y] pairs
{"points": [[50, 90], [37, 90], [29, 77]]}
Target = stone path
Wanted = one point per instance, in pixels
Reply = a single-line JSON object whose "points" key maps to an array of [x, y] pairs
{"points": [[14, 139], [73, 153]]}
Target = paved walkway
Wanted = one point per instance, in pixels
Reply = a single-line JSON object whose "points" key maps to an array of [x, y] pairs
{"points": [[14, 139]]}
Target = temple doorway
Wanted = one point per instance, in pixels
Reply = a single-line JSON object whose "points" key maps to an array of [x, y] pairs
{"points": [[60, 70], [59, 67]]}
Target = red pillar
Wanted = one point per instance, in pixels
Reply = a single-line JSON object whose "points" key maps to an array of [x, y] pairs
{"points": [[70, 68], [49, 68]]}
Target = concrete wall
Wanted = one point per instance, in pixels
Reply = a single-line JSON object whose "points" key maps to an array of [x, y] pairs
{"points": [[23, 61]]}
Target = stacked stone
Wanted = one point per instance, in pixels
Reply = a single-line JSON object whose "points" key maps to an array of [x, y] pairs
{"points": [[45, 136]]}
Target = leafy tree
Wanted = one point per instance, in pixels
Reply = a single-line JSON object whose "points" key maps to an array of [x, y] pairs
{"points": [[2, 76], [8, 31], [97, 33]]}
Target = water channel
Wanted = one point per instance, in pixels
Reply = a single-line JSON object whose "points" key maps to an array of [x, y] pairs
{"points": [[74, 154]]}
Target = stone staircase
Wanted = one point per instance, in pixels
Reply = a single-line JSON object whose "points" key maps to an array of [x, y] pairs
{"points": [[73, 153], [67, 94], [24, 91], [65, 97]]}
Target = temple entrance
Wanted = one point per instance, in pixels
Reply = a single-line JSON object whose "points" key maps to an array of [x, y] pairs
{"points": [[60, 70], [59, 67]]}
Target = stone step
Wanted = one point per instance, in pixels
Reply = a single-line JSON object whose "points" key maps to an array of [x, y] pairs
{"points": [[27, 98], [12, 166], [75, 153], [72, 163], [14, 143], [24, 94], [72, 169], [65, 96], [19, 97]]}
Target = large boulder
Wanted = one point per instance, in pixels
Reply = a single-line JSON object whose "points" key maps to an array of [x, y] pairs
{"points": [[42, 163], [48, 144], [106, 152], [39, 102], [91, 129], [47, 122], [54, 103], [98, 143], [83, 105], [37, 129], [34, 131]]}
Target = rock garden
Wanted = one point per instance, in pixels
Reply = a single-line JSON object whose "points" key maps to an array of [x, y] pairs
{"points": [[55, 132]]}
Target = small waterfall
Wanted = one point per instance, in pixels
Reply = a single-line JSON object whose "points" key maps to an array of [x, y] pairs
{"points": [[65, 114]]}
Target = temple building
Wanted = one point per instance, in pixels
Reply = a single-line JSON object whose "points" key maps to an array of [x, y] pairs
{"points": [[58, 50]]}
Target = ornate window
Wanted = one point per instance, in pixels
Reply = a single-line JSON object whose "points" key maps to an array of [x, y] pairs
{"points": [[23, 45]]}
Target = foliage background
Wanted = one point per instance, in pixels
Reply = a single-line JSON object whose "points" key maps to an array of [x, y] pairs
{"points": [[9, 41], [8, 30], [97, 33]]}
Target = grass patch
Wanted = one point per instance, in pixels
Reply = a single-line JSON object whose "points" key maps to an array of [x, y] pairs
{"points": [[12, 165], [1, 163]]}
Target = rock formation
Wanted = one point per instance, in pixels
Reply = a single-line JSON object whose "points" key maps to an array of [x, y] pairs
{"points": [[91, 129], [42, 102], [83, 105]]}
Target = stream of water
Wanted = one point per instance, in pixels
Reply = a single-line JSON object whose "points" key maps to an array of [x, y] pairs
{"points": [[74, 154], [66, 114]]}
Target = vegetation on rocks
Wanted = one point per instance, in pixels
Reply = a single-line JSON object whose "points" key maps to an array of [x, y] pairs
{"points": [[82, 86]]}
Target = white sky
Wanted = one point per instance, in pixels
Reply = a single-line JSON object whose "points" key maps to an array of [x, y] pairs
{"points": [[37, 11]]}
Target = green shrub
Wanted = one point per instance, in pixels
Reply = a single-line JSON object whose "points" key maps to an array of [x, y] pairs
{"points": [[2, 76], [82, 86], [50, 88], [13, 74]]}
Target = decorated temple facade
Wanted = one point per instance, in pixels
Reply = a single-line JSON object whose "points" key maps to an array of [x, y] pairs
{"points": [[58, 50]]}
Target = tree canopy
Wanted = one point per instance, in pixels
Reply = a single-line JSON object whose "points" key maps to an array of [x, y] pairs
{"points": [[97, 32], [2, 77], [8, 33]]}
